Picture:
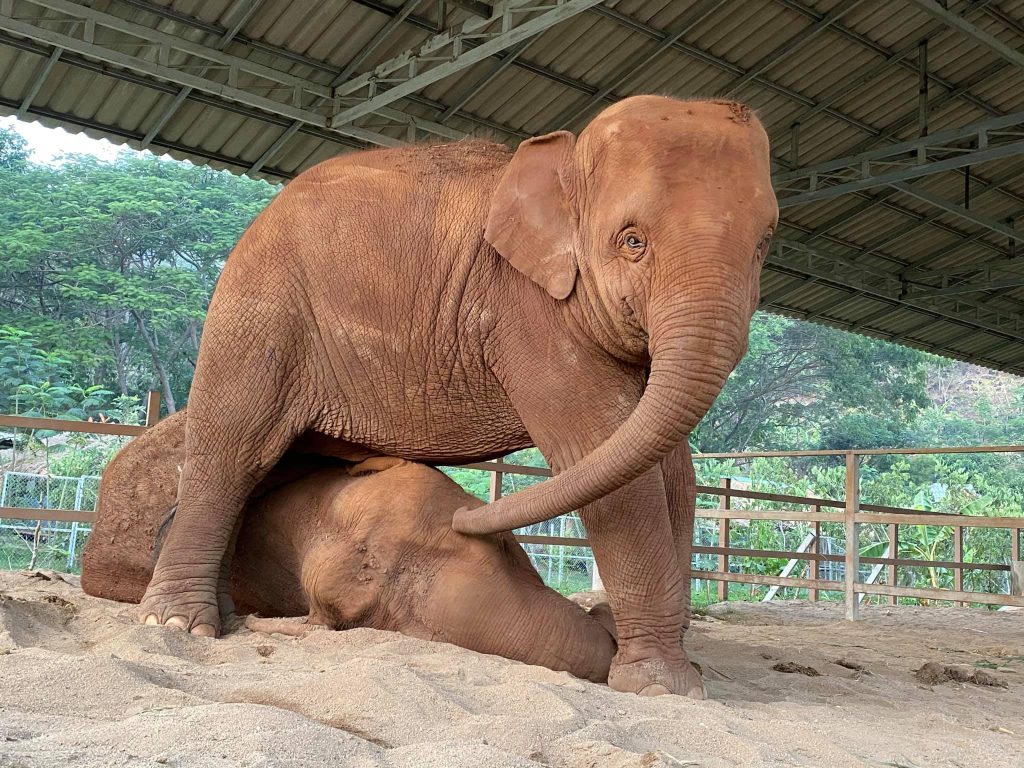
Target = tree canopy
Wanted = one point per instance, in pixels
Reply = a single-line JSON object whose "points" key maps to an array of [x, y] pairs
{"points": [[109, 266]]}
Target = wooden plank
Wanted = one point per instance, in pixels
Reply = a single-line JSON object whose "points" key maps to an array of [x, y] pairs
{"points": [[564, 541], [925, 518], [67, 425], [852, 529], [809, 501], [871, 589], [894, 551], [495, 490], [761, 496], [818, 557], [508, 469], [723, 540], [56, 515], [769, 581], [152, 408], [812, 594], [770, 514], [987, 598], [866, 452], [958, 555]]}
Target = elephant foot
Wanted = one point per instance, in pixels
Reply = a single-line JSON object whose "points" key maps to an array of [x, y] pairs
{"points": [[183, 604], [656, 677]]}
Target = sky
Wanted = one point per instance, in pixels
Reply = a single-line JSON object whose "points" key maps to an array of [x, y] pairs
{"points": [[47, 144]]}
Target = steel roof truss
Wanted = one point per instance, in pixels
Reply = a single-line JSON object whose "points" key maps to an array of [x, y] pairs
{"points": [[445, 54]]}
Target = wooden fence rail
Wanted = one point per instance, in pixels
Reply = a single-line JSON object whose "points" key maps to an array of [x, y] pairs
{"points": [[849, 512]]}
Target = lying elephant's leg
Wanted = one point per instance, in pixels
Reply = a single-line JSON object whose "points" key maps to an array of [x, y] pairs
{"points": [[293, 626], [681, 490], [489, 598]]}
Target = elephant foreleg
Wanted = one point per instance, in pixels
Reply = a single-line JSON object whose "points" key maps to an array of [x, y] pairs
{"points": [[681, 492], [635, 548]]}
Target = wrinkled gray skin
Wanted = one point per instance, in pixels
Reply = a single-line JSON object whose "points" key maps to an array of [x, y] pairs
{"points": [[458, 302]]}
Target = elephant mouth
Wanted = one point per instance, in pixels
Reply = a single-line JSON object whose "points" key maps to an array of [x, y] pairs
{"points": [[635, 331]]}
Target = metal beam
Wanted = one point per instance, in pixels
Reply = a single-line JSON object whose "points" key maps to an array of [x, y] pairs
{"points": [[831, 267], [630, 68], [977, 132], [179, 50], [37, 84], [248, 7], [962, 288], [443, 55], [991, 42], [908, 160], [802, 37], [954, 208], [127, 135], [500, 65], [382, 34], [899, 58], [726, 66]]}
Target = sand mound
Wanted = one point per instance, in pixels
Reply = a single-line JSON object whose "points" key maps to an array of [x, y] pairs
{"points": [[82, 685]]}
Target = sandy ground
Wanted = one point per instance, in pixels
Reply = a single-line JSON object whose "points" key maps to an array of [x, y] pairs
{"points": [[82, 685]]}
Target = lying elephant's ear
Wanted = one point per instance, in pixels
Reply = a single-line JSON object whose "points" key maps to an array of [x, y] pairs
{"points": [[533, 220]]}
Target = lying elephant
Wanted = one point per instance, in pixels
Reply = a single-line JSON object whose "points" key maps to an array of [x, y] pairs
{"points": [[368, 545], [452, 303]]}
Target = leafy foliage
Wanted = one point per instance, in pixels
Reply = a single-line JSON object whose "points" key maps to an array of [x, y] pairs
{"points": [[808, 386], [110, 267]]}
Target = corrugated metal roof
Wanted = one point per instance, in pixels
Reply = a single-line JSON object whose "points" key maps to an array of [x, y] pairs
{"points": [[852, 84]]}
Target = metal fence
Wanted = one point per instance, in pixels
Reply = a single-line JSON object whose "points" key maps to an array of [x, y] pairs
{"points": [[831, 551], [43, 543]]}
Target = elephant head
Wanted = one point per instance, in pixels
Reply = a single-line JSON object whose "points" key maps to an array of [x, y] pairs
{"points": [[655, 222]]}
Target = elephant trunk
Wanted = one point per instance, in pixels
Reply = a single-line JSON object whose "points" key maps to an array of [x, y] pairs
{"points": [[692, 354]]}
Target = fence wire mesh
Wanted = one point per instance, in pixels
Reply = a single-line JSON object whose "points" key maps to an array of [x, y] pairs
{"points": [[45, 543]]}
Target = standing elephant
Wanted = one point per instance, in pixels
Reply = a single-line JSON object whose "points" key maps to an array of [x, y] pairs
{"points": [[369, 545], [448, 303]]}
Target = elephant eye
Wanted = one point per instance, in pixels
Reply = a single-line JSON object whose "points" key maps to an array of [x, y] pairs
{"points": [[632, 243]]}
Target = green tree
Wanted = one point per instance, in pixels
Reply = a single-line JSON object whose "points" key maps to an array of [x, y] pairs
{"points": [[807, 386], [111, 264]]}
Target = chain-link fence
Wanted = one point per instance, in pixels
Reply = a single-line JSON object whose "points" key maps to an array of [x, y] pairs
{"points": [[45, 543], [567, 569]]}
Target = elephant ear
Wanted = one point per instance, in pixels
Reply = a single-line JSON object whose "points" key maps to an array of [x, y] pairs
{"points": [[532, 220]]}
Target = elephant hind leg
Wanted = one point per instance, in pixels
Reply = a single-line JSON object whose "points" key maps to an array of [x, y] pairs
{"points": [[246, 408]]}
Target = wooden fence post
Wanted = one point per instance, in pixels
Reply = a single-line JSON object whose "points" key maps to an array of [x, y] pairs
{"points": [[812, 594], [496, 478], [852, 535], [152, 408], [958, 556], [894, 553], [723, 541], [1016, 566]]}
